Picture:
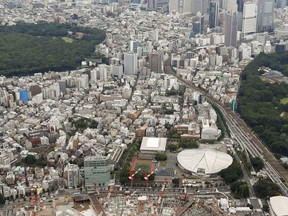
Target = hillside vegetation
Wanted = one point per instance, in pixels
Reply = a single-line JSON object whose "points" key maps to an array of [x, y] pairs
{"points": [[29, 48], [261, 104]]}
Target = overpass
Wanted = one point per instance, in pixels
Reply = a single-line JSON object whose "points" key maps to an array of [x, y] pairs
{"points": [[242, 133]]}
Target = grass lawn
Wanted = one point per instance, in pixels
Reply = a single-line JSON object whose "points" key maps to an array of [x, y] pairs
{"points": [[162, 163], [67, 40], [144, 166], [284, 101]]}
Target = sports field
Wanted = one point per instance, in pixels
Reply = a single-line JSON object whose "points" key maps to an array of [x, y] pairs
{"points": [[145, 165]]}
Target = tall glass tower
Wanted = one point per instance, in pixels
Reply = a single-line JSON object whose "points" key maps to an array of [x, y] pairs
{"points": [[213, 14], [265, 13]]}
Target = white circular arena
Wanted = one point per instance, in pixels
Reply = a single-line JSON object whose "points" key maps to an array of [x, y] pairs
{"points": [[203, 161], [279, 205]]}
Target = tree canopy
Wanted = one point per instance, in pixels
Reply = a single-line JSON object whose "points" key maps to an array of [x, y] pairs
{"points": [[2, 199], [161, 157], [257, 163], [259, 102], [30, 159], [232, 173], [240, 189], [30, 48], [266, 188]]}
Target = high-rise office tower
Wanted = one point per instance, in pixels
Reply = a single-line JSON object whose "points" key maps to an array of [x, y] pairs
{"points": [[134, 45], [213, 14], [240, 5], [249, 18], [62, 85], [189, 6], [230, 5], [155, 62], [135, 1], [97, 171], [198, 27], [180, 6], [155, 35], [230, 29], [265, 11], [202, 24], [152, 5], [130, 63], [71, 175], [173, 6], [281, 3], [199, 6]]}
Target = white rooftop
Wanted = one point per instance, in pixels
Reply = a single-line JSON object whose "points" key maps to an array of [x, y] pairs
{"points": [[204, 161], [153, 144], [279, 205]]}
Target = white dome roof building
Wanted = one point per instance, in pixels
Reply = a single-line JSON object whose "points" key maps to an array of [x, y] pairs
{"points": [[203, 161], [279, 205]]}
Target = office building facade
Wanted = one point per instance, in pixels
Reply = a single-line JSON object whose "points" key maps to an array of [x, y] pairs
{"points": [[134, 45], [155, 62], [97, 171], [240, 5], [265, 12], [213, 14], [230, 29], [249, 18], [152, 5], [130, 63], [281, 3], [71, 175], [230, 5]]}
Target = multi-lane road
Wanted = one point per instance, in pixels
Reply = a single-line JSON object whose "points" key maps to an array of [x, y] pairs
{"points": [[242, 133]]}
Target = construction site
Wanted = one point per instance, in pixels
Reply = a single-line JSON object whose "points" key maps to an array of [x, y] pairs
{"points": [[143, 203]]}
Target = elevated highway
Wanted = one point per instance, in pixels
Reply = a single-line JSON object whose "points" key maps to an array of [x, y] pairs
{"points": [[242, 133]]}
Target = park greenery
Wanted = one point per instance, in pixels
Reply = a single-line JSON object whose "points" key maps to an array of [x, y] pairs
{"points": [[161, 157], [184, 144], [265, 189], [232, 173], [82, 124], [29, 48], [263, 104], [240, 189], [254, 162], [257, 163], [30, 160], [221, 123], [2, 199], [125, 165]]}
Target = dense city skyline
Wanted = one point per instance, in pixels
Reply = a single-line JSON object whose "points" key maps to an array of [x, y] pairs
{"points": [[148, 107]]}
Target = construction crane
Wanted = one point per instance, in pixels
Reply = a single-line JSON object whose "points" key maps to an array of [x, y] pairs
{"points": [[161, 192], [111, 189], [147, 178], [131, 176], [185, 195], [34, 203], [95, 188]]}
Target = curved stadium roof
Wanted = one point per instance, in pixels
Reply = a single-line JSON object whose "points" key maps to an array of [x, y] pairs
{"points": [[204, 161], [279, 205]]}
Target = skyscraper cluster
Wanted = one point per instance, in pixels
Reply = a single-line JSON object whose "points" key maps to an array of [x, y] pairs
{"points": [[234, 16]]}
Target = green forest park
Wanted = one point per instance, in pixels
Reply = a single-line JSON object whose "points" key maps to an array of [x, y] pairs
{"points": [[29, 48], [264, 105]]}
